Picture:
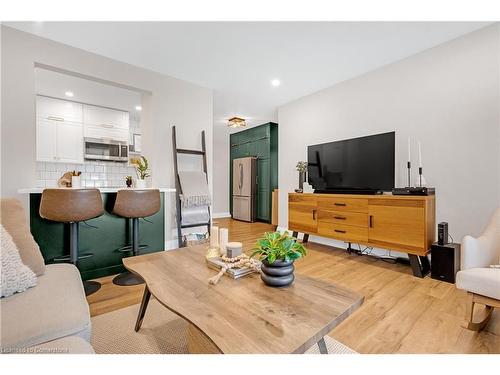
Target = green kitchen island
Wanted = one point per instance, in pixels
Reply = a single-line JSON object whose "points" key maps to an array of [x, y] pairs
{"points": [[102, 236]]}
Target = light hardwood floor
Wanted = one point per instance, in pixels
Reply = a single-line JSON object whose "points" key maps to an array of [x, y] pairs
{"points": [[401, 313]]}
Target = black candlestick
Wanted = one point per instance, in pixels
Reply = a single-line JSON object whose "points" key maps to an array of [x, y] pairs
{"points": [[420, 175], [409, 173]]}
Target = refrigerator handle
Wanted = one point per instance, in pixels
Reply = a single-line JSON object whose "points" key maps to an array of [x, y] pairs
{"points": [[240, 182]]}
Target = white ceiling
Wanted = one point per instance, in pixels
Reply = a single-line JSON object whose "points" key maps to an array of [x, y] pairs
{"points": [[55, 84], [239, 59]]}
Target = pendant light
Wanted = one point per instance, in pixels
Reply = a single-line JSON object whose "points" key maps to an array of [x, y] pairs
{"points": [[236, 122]]}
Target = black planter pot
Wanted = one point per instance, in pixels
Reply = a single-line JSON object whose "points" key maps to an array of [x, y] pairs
{"points": [[277, 274]]}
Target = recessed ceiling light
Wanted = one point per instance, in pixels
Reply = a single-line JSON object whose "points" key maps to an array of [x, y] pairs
{"points": [[69, 94], [138, 108], [275, 82]]}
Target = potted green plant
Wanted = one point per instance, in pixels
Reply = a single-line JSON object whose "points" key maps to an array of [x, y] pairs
{"points": [[142, 170], [302, 169], [277, 252]]}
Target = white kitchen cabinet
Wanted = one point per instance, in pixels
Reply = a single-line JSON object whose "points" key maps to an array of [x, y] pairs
{"points": [[58, 109], [46, 138], [69, 142], [59, 141], [105, 123], [59, 131], [105, 118]]}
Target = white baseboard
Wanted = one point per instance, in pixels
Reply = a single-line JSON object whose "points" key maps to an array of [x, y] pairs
{"points": [[221, 215], [171, 244]]}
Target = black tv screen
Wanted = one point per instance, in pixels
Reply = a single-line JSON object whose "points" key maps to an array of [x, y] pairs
{"points": [[365, 163]]}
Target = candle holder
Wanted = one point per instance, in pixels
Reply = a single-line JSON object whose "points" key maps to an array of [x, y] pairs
{"points": [[409, 173]]}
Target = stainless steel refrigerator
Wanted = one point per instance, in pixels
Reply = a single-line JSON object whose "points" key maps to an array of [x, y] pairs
{"points": [[244, 188]]}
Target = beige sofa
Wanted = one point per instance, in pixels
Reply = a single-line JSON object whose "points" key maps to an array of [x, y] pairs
{"points": [[53, 316]]}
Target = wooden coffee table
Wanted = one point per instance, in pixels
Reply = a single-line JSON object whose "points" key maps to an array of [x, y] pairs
{"points": [[244, 315]]}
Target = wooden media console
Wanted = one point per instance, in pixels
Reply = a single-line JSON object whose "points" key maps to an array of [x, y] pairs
{"points": [[402, 223]]}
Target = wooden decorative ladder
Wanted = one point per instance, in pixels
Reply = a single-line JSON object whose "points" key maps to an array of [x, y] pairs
{"points": [[178, 189]]}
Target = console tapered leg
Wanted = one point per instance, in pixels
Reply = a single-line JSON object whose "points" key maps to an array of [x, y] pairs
{"points": [[419, 265], [142, 310]]}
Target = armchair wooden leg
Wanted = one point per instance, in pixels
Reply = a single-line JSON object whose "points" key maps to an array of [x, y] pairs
{"points": [[469, 311], [469, 315]]}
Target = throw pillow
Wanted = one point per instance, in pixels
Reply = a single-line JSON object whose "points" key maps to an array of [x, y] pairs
{"points": [[15, 276], [13, 218]]}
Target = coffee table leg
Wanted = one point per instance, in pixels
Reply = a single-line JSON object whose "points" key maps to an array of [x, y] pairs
{"points": [[142, 309], [322, 346]]}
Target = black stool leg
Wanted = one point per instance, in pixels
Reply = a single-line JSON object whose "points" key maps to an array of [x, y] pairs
{"points": [[135, 236], [127, 278], [90, 287], [73, 242]]}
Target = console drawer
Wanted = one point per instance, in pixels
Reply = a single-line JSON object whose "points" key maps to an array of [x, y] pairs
{"points": [[343, 204], [357, 219], [343, 232]]}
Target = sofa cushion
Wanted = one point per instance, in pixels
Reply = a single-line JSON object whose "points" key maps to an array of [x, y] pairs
{"points": [[483, 281], [15, 277], [13, 218], [55, 308], [65, 345]]}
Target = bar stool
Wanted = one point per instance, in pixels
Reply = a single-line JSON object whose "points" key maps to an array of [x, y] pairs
{"points": [[72, 206], [134, 204]]}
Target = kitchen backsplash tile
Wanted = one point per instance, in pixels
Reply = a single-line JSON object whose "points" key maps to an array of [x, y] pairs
{"points": [[94, 173]]}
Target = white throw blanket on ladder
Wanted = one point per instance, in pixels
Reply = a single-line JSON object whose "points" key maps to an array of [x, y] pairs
{"points": [[194, 189]]}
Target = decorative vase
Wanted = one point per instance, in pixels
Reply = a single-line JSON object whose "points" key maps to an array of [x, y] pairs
{"points": [[140, 184], [76, 182], [302, 179], [277, 274]]}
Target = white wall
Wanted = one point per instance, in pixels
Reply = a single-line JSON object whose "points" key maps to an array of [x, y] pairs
{"points": [[170, 102], [221, 171], [446, 97]]}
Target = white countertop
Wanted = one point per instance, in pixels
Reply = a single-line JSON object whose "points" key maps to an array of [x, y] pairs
{"points": [[102, 189]]}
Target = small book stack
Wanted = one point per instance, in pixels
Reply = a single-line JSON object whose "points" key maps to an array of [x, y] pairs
{"points": [[235, 273]]}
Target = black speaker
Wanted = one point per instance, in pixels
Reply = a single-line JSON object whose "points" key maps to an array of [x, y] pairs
{"points": [[443, 233], [445, 261]]}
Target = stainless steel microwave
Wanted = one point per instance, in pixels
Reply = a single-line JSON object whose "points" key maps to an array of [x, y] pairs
{"points": [[105, 149]]}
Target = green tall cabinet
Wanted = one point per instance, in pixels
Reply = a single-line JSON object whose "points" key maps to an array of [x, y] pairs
{"points": [[261, 142]]}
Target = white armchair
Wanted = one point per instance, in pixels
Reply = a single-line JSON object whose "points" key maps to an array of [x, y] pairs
{"points": [[481, 281]]}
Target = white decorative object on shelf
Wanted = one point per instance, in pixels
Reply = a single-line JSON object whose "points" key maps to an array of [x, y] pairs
{"points": [[76, 182], [308, 188], [140, 184], [223, 240], [234, 249], [214, 237], [421, 180]]}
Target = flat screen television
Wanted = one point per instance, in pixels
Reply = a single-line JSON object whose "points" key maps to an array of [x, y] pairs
{"points": [[359, 165]]}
